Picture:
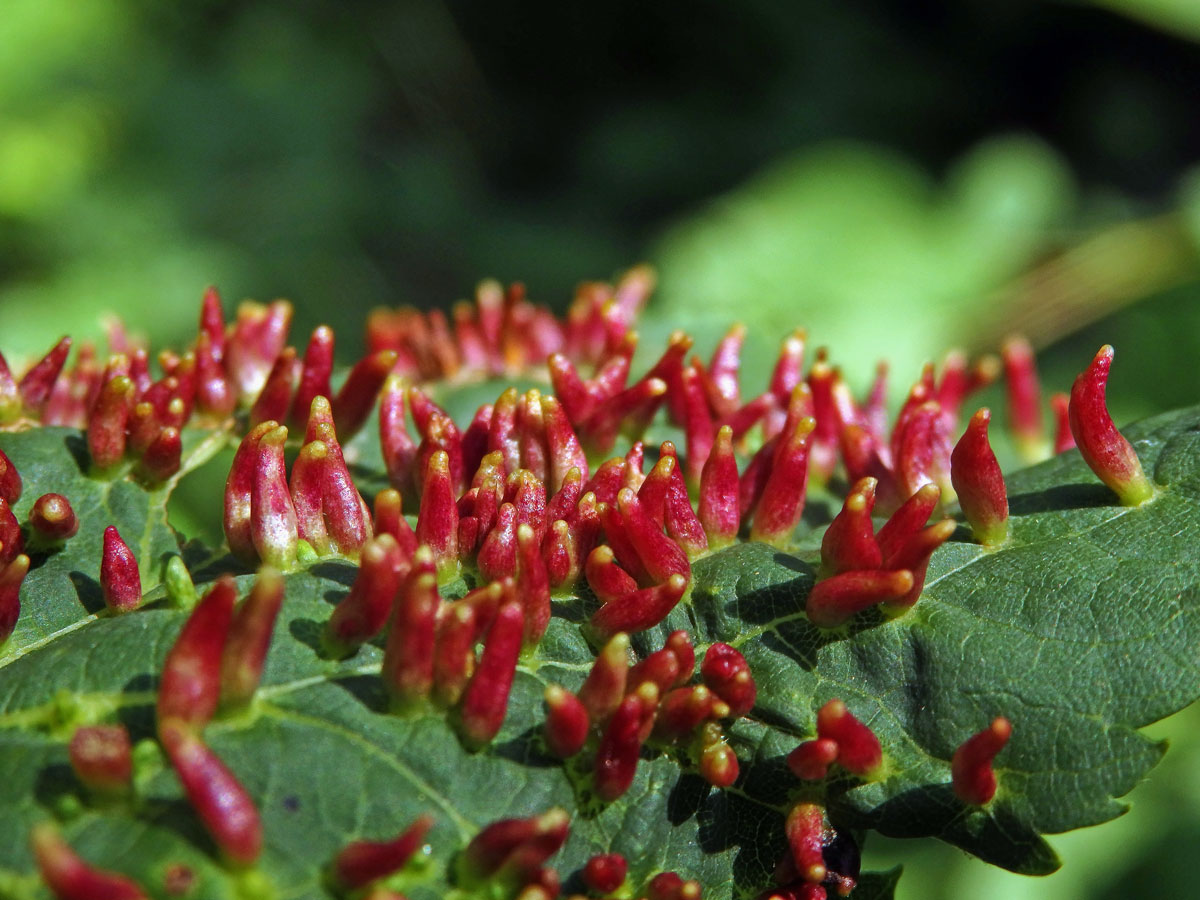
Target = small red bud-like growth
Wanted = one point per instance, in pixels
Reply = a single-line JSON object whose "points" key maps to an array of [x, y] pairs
{"points": [[191, 680], [274, 401], [835, 600], [1102, 446], [12, 573], [36, 384], [607, 580], [562, 445], [408, 656], [685, 709], [567, 722], [781, 502], [69, 877], [560, 553], [361, 862], [1060, 404], [914, 557], [258, 337], [314, 375], [661, 557], [102, 758], [1024, 395], [640, 610], [859, 751], [805, 829], [971, 772], [107, 422], [617, 753], [389, 519], [354, 401], [10, 397], [481, 711], [212, 320], [907, 521], [239, 494], [437, 520], [454, 658], [249, 638], [225, 809], [849, 542], [11, 540], [979, 482], [812, 759], [605, 873], [10, 480], [119, 579], [514, 848], [661, 668], [604, 686], [52, 519], [163, 457], [727, 675], [680, 643], [215, 394], [273, 529], [718, 764], [364, 611], [399, 449], [498, 555], [533, 585]]}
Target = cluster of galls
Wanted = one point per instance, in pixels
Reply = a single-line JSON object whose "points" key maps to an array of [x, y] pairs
{"points": [[620, 708], [51, 521], [512, 498]]}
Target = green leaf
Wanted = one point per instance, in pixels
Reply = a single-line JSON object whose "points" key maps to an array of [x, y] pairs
{"points": [[1081, 629]]}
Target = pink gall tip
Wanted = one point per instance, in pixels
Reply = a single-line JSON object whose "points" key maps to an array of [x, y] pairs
{"points": [[805, 828], [971, 773], [811, 760], [250, 631], [979, 482], [605, 684], [719, 512], [718, 764], [69, 877], [408, 657], [780, 502], [640, 610], [484, 704], [52, 519], [102, 758], [567, 722], [1102, 446], [1064, 440], [190, 688], [858, 750], [120, 581], [834, 601], [362, 862], [907, 521], [10, 480], [605, 873], [314, 375], [107, 422], [617, 753], [849, 542], [163, 458], [274, 401], [273, 526], [35, 386], [454, 656], [660, 556], [1024, 395], [224, 807], [727, 675], [437, 519], [12, 574]]}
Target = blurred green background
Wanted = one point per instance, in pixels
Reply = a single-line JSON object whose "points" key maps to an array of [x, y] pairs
{"points": [[898, 177]]}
